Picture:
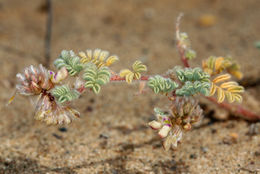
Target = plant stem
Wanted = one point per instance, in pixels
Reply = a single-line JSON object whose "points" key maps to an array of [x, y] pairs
{"points": [[118, 78], [179, 46], [236, 109], [114, 78], [182, 55]]}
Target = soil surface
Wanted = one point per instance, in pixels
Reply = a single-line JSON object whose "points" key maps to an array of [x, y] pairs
{"points": [[112, 135]]}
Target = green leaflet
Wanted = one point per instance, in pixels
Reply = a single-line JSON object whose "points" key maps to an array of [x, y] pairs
{"points": [[138, 67], [159, 112], [64, 93], [191, 88], [161, 84], [195, 81], [190, 54], [95, 77], [189, 74], [69, 60]]}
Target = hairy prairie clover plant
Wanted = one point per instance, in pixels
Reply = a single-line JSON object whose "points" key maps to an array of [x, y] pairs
{"points": [[91, 71]]}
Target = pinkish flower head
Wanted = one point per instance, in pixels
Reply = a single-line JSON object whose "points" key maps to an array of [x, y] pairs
{"points": [[34, 80]]}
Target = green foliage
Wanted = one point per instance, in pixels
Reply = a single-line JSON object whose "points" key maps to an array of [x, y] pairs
{"points": [[64, 93], [191, 88], [138, 68], [183, 42], [98, 57], [190, 54], [195, 81], [159, 112], [189, 74], [226, 89], [161, 84], [215, 65], [69, 60], [95, 77]]}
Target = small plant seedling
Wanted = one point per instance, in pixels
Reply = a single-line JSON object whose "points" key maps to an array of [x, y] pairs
{"points": [[91, 70]]}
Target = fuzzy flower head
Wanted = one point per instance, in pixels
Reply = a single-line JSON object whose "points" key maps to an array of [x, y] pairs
{"points": [[171, 132], [49, 105], [34, 80], [52, 112], [184, 113]]}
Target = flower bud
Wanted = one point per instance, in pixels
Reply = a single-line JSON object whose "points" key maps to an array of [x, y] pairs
{"points": [[60, 75], [155, 124], [187, 126], [164, 131]]}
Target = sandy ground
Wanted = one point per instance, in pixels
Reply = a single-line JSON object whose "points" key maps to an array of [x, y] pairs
{"points": [[112, 136]]}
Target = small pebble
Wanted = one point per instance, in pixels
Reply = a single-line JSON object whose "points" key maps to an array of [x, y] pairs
{"points": [[207, 20], [63, 129], [193, 156], [105, 136], [254, 129], [234, 137], [257, 153], [92, 100], [213, 131], [230, 126], [114, 171], [89, 109], [57, 136], [204, 149]]}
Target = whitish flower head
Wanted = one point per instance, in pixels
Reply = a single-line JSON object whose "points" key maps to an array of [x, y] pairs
{"points": [[33, 81], [168, 130], [184, 113], [49, 111], [41, 82]]}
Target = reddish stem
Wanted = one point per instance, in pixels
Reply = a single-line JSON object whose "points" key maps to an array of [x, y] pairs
{"points": [[182, 55], [118, 78], [115, 77], [236, 109]]}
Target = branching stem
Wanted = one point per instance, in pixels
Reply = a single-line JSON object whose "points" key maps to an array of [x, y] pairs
{"points": [[236, 109]]}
